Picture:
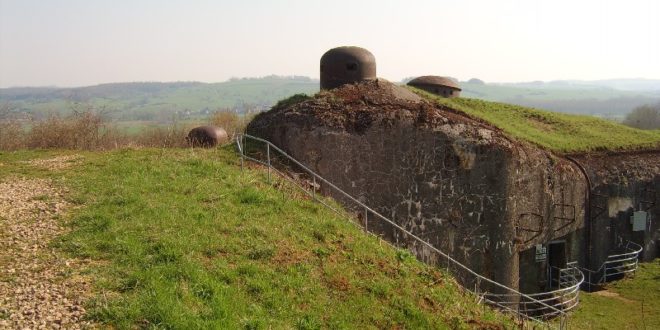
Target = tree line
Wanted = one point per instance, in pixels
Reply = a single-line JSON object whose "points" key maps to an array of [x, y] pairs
{"points": [[644, 117]]}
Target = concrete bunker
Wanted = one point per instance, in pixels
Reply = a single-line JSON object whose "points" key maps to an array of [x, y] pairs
{"points": [[515, 213], [345, 65], [442, 86]]}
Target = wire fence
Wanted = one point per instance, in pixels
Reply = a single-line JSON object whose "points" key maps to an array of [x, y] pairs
{"points": [[536, 308]]}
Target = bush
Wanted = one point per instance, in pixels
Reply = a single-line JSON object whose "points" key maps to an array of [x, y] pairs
{"points": [[230, 121], [83, 130], [87, 129], [644, 117], [291, 100], [80, 130], [11, 134], [173, 136]]}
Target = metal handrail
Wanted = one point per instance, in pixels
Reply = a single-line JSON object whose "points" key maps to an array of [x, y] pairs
{"points": [[565, 298], [615, 264], [519, 297]]}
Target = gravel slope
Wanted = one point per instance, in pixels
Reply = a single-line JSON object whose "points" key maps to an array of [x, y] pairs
{"points": [[38, 287]]}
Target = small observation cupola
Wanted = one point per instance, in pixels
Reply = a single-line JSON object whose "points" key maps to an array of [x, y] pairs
{"points": [[345, 65], [441, 86]]}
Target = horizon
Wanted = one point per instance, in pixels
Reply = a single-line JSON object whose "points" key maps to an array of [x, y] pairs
{"points": [[73, 43], [317, 79]]}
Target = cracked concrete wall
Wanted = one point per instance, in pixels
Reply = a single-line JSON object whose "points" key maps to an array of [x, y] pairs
{"points": [[447, 191], [546, 199], [463, 193], [622, 183]]}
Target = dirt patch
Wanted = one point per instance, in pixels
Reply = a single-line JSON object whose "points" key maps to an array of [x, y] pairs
{"points": [[614, 295], [56, 163], [287, 256], [540, 124], [38, 287]]}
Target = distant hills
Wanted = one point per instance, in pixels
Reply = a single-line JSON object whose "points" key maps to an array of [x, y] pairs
{"points": [[639, 84], [604, 98], [163, 101]]}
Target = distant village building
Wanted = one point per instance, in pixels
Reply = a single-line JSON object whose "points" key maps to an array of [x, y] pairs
{"points": [[442, 86], [346, 65]]}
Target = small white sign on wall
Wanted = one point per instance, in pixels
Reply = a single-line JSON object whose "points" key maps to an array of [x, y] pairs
{"points": [[541, 252], [638, 221]]}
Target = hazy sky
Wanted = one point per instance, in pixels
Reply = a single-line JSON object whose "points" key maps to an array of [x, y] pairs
{"points": [[83, 42]]}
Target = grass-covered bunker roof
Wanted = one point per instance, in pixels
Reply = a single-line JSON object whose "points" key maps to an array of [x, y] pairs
{"points": [[560, 132], [352, 104]]}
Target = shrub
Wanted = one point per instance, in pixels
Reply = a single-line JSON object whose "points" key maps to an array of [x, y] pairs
{"points": [[80, 130], [83, 130], [11, 135], [172, 136], [230, 121], [293, 99], [644, 117]]}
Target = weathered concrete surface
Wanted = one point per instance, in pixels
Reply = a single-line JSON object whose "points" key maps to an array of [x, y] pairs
{"points": [[622, 183], [455, 182]]}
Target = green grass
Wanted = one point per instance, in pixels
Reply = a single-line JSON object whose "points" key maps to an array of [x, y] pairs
{"points": [[552, 130], [635, 303], [182, 239]]}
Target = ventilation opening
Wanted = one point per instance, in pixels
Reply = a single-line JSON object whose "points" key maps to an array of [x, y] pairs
{"points": [[351, 66]]}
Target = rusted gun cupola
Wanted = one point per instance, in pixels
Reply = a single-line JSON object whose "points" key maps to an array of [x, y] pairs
{"points": [[442, 86], [345, 65]]}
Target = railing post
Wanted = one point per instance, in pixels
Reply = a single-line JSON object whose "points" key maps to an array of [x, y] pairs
{"points": [[268, 156], [366, 216], [448, 259], [240, 148], [314, 186]]}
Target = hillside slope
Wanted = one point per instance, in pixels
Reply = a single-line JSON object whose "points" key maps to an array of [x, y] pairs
{"points": [[554, 131], [181, 238], [158, 101]]}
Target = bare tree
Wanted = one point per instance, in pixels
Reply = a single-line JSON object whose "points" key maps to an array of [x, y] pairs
{"points": [[644, 117]]}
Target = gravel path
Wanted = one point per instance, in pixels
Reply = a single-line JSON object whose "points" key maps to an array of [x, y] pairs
{"points": [[56, 163], [39, 289]]}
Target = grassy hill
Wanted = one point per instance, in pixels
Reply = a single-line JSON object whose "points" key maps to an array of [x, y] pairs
{"points": [[159, 101], [555, 131], [627, 304], [182, 239]]}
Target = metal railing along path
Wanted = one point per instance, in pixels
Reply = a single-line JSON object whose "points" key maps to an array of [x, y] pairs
{"points": [[511, 300], [565, 298], [615, 265]]}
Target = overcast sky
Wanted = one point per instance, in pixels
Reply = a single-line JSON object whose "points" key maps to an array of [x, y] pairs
{"points": [[84, 42]]}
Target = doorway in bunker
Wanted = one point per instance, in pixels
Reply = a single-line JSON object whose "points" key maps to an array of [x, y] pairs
{"points": [[556, 262]]}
